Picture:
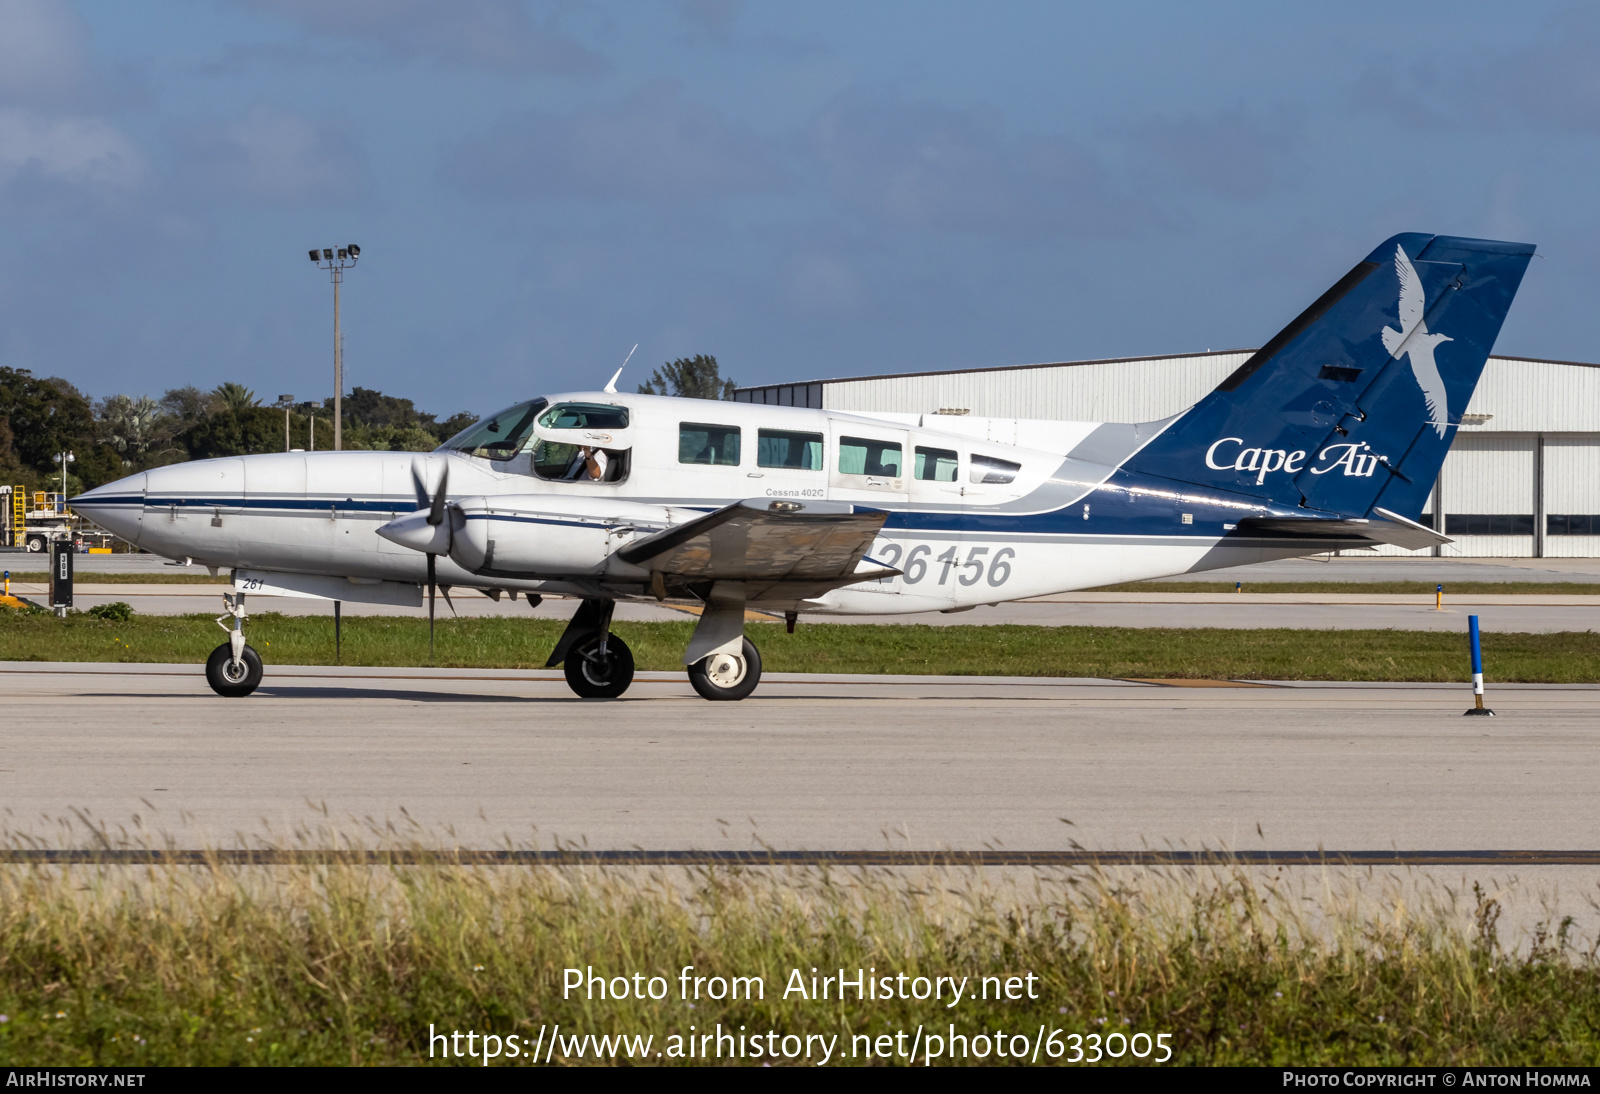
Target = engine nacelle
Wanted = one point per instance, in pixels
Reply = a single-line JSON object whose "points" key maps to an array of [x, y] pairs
{"points": [[538, 535]]}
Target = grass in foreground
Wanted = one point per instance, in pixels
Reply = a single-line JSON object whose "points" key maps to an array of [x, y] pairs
{"points": [[350, 964], [1109, 652]]}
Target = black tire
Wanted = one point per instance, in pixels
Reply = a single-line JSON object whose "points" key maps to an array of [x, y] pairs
{"points": [[35, 544], [593, 677], [705, 677], [220, 672]]}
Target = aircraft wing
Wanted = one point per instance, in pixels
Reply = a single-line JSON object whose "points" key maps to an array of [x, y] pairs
{"points": [[1383, 527], [778, 548]]}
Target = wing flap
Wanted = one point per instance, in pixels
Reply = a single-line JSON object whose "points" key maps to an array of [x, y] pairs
{"points": [[766, 541]]}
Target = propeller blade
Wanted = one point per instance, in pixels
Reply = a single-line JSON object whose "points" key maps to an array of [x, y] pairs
{"points": [[436, 512], [432, 564], [445, 589], [423, 501]]}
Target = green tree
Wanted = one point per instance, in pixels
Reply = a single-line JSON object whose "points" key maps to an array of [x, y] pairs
{"points": [[137, 428], [189, 406], [235, 397], [236, 433], [694, 377]]}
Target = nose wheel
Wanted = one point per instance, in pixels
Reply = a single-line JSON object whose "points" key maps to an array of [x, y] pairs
{"points": [[727, 677], [234, 669], [233, 677]]}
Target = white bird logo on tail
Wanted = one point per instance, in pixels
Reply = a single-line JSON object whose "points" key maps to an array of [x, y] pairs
{"points": [[1414, 340]]}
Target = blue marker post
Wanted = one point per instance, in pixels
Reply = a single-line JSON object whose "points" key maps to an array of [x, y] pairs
{"points": [[1477, 670]]}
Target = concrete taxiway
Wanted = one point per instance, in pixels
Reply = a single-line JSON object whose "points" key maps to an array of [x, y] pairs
{"points": [[480, 758]]}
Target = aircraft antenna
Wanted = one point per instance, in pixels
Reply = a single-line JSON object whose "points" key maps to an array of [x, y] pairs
{"points": [[611, 386]]}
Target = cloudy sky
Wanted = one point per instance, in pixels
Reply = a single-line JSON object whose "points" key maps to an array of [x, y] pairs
{"points": [[803, 190]]}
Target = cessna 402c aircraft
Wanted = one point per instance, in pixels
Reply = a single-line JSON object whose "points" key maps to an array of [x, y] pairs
{"points": [[1330, 436]]}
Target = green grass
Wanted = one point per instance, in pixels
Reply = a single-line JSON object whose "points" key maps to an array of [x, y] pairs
{"points": [[343, 964], [1115, 652], [1356, 588], [92, 577]]}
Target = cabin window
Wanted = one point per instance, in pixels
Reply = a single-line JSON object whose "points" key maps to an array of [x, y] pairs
{"points": [[717, 445], [585, 416], [499, 436], [863, 456], [936, 464], [787, 449], [990, 471]]}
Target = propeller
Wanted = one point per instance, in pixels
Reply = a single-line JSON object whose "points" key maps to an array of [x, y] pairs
{"points": [[436, 516]]}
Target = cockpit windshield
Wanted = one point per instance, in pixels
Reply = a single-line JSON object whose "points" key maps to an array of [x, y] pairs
{"points": [[499, 436]]}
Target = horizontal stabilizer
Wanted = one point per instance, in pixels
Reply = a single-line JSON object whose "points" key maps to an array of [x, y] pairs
{"points": [[817, 545], [1384, 527]]}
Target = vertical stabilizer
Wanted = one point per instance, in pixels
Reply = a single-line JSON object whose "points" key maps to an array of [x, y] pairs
{"points": [[1355, 403]]}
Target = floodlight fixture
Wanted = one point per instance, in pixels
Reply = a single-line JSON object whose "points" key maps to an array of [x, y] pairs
{"points": [[315, 254], [343, 254], [355, 252], [327, 254]]}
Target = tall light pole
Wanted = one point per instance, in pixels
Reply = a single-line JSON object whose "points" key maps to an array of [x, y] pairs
{"points": [[336, 261], [286, 401], [64, 458]]}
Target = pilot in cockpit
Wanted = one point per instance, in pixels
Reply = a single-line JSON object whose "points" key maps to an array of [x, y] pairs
{"points": [[588, 463]]}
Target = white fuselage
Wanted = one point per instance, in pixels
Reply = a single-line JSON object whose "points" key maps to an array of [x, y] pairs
{"points": [[960, 541]]}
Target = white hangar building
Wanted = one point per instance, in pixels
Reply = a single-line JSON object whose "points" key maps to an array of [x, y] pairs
{"points": [[1522, 477]]}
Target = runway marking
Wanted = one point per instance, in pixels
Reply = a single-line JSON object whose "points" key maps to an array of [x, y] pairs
{"points": [[1079, 858]]}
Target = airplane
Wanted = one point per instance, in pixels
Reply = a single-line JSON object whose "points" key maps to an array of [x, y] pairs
{"points": [[1330, 436]]}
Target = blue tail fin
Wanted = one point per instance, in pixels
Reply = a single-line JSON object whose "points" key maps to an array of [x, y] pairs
{"points": [[1355, 403]]}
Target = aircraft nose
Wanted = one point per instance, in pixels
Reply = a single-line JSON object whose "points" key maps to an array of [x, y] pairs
{"points": [[117, 506]]}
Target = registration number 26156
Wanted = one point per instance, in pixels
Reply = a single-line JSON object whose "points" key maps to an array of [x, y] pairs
{"points": [[920, 564]]}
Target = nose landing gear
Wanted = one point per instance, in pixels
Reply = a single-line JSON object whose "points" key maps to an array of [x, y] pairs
{"points": [[234, 669]]}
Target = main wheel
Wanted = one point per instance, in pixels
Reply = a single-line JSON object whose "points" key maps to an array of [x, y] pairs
{"points": [[229, 679], [726, 676], [35, 544], [592, 676]]}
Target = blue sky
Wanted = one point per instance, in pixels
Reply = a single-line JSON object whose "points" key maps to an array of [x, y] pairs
{"points": [[803, 190]]}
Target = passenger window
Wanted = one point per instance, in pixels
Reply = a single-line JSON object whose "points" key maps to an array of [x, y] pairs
{"points": [[795, 451], [585, 416], [936, 464], [988, 470], [860, 456], [713, 444]]}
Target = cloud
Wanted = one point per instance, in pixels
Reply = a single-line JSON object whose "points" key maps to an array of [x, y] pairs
{"points": [[1550, 84], [75, 151], [41, 51], [274, 156], [1233, 153], [926, 165], [493, 34], [651, 145]]}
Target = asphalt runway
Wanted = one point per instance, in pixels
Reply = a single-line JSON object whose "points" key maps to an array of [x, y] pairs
{"points": [[494, 758]]}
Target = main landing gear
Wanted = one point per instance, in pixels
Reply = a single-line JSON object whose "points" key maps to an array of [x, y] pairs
{"points": [[727, 676], [597, 663], [233, 669], [723, 664]]}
